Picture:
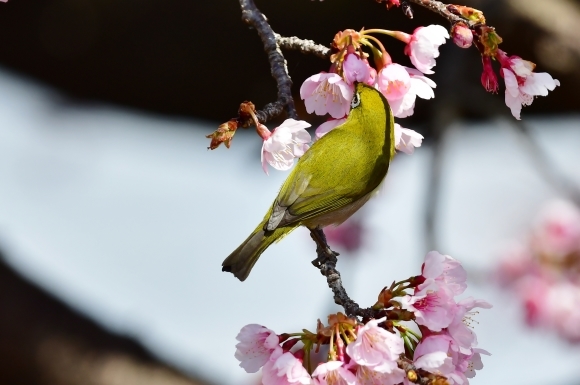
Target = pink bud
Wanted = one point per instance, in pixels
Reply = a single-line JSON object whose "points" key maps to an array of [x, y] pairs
{"points": [[488, 77], [462, 35]]}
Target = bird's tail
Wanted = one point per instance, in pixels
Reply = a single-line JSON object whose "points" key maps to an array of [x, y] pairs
{"points": [[241, 261]]}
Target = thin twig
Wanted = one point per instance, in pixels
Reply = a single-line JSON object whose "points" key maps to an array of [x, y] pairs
{"points": [[443, 10], [303, 45], [326, 262], [252, 16]]}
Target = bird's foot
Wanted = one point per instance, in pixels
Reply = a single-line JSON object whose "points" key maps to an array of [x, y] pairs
{"points": [[325, 254]]}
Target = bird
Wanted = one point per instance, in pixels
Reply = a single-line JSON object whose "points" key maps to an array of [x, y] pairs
{"points": [[334, 178]]}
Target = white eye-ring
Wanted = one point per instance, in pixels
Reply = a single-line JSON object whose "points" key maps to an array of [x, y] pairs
{"points": [[355, 100]]}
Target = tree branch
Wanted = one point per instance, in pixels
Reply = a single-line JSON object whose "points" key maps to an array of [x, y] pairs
{"points": [[252, 16], [302, 45], [326, 262], [443, 10]]}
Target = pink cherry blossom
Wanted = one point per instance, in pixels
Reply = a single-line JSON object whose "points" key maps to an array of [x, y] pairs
{"points": [[333, 373], [436, 355], [394, 82], [356, 69], [488, 76], [432, 355], [284, 369], [562, 308], [460, 330], [328, 126], [376, 347], [423, 47], [432, 307], [327, 93], [521, 83], [288, 141], [406, 140], [557, 231], [368, 376], [401, 86], [348, 235], [446, 271], [255, 347], [474, 362]]}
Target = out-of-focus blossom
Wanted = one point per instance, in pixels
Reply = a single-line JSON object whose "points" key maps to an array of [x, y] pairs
{"points": [[284, 369], [423, 46], [348, 235], [328, 126], [356, 69], [557, 231], [327, 93], [544, 273], [521, 83], [401, 86], [461, 35], [488, 76], [256, 344], [333, 373], [563, 309], [432, 307], [406, 139], [288, 141], [446, 271], [376, 347]]}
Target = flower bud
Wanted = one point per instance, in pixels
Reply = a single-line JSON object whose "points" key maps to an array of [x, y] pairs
{"points": [[488, 77], [462, 35]]}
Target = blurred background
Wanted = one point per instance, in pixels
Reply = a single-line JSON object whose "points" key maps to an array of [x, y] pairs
{"points": [[114, 218]]}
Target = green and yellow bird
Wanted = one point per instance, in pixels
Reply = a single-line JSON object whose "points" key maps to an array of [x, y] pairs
{"points": [[330, 182]]}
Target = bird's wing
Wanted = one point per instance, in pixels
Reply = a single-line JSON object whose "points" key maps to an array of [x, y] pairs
{"points": [[309, 191]]}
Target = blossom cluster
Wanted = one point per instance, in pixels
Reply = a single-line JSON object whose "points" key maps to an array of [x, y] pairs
{"points": [[421, 332], [544, 272]]}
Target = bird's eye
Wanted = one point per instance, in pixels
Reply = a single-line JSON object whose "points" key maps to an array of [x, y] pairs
{"points": [[355, 100]]}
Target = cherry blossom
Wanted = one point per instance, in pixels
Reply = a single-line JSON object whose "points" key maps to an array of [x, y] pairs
{"points": [[459, 330], [286, 142], [432, 307], [522, 84], [432, 355], [368, 376], [333, 373], [562, 310], [401, 86], [256, 344], [423, 46], [557, 230], [356, 70], [376, 347], [328, 126], [406, 139], [327, 93], [446, 271], [284, 369]]}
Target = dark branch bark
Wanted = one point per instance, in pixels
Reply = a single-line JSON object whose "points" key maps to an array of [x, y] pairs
{"points": [[252, 16], [326, 262], [443, 10]]}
